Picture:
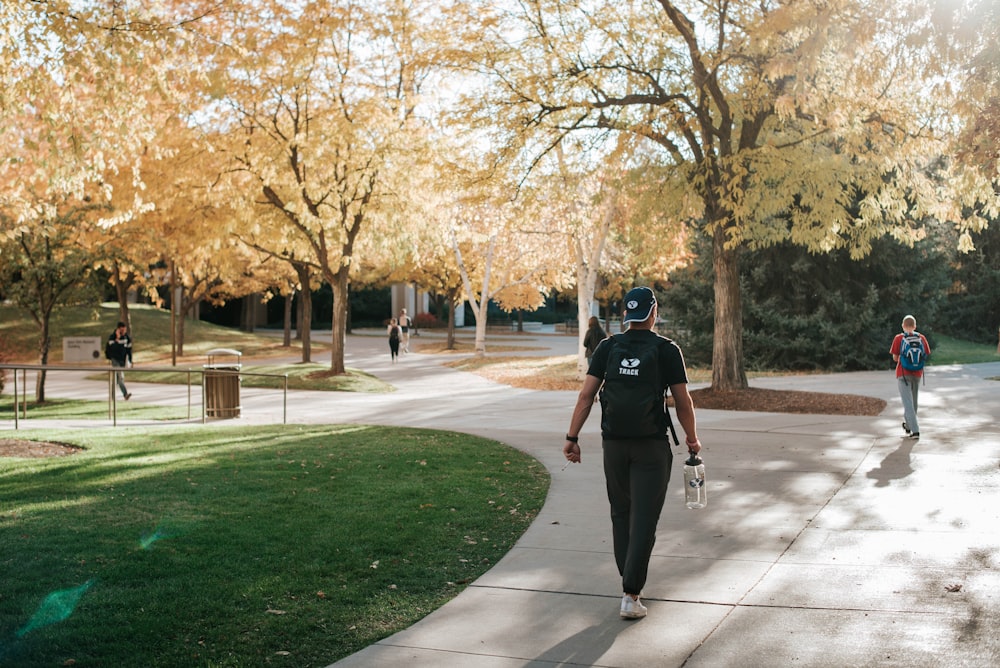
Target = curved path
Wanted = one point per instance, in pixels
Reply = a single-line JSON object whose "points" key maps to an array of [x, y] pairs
{"points": [[828, 540]]}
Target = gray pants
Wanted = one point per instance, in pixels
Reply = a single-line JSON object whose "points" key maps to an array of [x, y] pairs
{"points": [[119, 376], [909, 390], [637, 472]]}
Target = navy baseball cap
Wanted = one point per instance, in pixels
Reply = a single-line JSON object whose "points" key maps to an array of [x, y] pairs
{"points": [[639, 303]]}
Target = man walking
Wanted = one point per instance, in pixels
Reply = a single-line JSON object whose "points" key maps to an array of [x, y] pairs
{"points": [[405, 322], [119, 351], [633, 371], [910, 350]]}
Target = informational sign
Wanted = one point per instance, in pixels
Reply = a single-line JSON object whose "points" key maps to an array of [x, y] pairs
{"points": [[78, 349]]}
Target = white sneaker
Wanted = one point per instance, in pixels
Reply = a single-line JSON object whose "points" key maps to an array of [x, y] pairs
{"points": [[632, 608]]}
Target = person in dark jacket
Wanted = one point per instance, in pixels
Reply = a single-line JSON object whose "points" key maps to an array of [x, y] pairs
{"points": [[394, 334], [119, 351], [593, 336]]}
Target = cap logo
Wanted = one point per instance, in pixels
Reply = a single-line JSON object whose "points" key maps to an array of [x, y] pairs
{"points": [[632, 304]]}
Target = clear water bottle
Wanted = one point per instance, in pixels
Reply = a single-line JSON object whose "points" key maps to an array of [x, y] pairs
{"points": [[695, 490]]}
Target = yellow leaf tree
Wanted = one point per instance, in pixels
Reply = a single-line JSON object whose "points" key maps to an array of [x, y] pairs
{"points": [[504, 251], [770, 116], [75, 90], [318, 100]]}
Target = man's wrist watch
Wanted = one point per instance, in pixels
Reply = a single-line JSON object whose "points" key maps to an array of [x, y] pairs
{"points": [[572, 439]]}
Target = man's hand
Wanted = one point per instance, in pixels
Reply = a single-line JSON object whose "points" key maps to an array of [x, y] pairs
{"points": [[572, 452]]}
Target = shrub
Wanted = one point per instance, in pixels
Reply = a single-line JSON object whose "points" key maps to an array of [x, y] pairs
{"points": [[427, 321]]}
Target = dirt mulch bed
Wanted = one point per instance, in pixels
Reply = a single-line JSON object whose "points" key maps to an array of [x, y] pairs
{"points": [[559, 373], [18, 447], [788, 401]]}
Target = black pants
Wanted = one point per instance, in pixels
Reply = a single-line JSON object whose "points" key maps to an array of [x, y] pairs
{"points": [[637, 472]]}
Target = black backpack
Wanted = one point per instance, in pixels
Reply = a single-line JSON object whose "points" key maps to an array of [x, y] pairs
{"points": [[632, 397]]}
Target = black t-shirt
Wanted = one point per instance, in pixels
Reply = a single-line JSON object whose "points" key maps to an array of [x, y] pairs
{"points": [[672, 369]]}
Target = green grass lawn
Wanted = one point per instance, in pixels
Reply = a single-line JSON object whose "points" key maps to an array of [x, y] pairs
{"points": [[216, 546], [949, 350], [74, 409], [150, 333], [300, 377]]}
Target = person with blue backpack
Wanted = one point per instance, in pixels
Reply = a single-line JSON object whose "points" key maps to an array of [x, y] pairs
{"points": [[634, 371], [910, 351]]}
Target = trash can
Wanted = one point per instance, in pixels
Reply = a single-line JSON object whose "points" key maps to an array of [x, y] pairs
{"points": [[222, 384]]}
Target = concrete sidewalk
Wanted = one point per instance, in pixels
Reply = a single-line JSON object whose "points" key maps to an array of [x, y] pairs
{"points": [[827, 541]]}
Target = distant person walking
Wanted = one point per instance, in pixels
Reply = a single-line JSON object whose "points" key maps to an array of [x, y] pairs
{"points": [[633, 371], [404, 325], [394, 334], [119, 351], [595, 334], [910, 351]]}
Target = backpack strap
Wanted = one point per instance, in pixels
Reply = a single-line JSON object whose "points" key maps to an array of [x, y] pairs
{"points": [[917, 338], [662, 341]]}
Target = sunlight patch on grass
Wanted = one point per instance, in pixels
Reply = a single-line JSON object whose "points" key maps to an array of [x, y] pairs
{"points": [[322, 539], [55, 505]]}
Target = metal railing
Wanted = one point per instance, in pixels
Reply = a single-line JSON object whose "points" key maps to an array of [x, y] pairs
{"points": [[112, 396]]}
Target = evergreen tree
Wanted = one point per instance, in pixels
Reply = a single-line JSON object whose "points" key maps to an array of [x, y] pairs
{"points": [[806, 311], [971, 309]]}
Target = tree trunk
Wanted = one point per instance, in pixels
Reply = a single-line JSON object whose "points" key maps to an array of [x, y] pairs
{"points": [[179, 333], [305, 324], [452, 306], [728, 372], [481, 307], [589, 254], [173, 313], [122, 286], [287, 322], [298, 314], [482, 312], [586, 285], [303, 330], [248, 312], [339, 285], [583, 324], [44, 343]]}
